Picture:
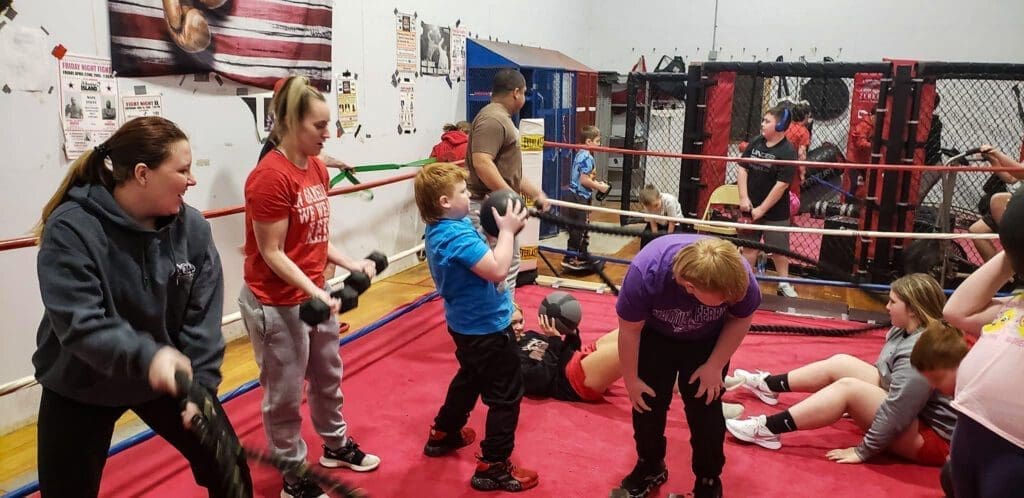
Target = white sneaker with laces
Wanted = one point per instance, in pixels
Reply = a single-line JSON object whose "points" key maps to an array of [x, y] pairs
{"points": [[732, 382], [786, 289], [753, 430], [754, 382]]}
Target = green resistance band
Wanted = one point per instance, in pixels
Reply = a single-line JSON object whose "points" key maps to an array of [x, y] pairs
{"points": [[351, 177]]}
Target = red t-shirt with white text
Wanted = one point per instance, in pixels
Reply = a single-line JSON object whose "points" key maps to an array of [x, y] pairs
{"points": [[278, 189]]}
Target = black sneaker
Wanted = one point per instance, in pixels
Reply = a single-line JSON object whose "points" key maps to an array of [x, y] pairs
{"points": [[644, 479], [349, 455], [441, 443], [707, 487], [491, 476], [302, 489]]}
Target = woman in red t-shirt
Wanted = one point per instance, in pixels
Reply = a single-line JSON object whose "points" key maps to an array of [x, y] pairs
{"points": [[287, 246]]}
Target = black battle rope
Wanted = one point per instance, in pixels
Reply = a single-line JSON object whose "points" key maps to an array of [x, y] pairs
{"points": [[780, 329], [215, 434]]}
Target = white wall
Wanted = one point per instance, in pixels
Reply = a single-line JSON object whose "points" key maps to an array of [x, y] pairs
{"points": [[221, 133], [847, 30]]}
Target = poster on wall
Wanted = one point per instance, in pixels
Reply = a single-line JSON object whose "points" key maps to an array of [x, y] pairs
{"points": [[262, 114], [348, 110], [88, 100], [458, 53], [405, 45], [406, 94], [137, 106], [254, 43], [435, 42]]}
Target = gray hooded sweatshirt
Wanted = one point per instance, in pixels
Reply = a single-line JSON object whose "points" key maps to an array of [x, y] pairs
{"points": [[115, 292]]}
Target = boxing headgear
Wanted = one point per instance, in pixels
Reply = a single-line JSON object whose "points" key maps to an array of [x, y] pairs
{"points": [[782, 124], [1011, 236]]}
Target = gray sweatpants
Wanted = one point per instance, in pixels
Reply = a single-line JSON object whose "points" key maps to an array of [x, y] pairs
{"points": [[288, 351], [513, 270]]}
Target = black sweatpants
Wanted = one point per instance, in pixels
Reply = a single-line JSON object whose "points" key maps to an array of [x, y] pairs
{"points": [[74, 438], [983, 464], [660, 360], [579, 240], [489, 369]]}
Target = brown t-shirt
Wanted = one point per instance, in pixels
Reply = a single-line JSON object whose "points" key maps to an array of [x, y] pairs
{"points": [[494, 133]]}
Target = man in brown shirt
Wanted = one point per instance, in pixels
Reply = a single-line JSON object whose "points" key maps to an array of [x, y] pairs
{"points": [[493, 157]]}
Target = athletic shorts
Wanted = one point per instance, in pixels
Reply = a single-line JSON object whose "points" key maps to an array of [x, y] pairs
{"points": [[774, 239], [935, 449], [577, 377]]}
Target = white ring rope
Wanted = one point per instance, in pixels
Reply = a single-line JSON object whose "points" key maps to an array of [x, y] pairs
{"points": [[772, 228], [26, 382]]}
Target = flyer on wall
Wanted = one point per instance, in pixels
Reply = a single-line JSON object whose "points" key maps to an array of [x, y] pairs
{"points": [[405, 43], [434, 50], [406, 120], [137, 106], [458, 53], [348, 111], [88, 99]]}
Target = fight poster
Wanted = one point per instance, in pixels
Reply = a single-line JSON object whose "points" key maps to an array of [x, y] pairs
{"points": [[435, 42], [137, 106], [458, 53], [406, 95], [348, 111], [405, 43], [88, 99]]}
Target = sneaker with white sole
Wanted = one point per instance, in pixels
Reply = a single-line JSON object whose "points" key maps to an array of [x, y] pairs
{"points": [[786, 290], [732, 410], [302, 489], [732, 382], [754, 382], [349, 455], [753, 430]]}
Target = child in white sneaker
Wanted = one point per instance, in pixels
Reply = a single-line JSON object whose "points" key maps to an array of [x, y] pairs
{"points": [[893, 403]]}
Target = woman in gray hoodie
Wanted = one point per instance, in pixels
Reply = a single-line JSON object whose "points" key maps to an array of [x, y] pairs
{"points": [[133, 291], [892, 403]]}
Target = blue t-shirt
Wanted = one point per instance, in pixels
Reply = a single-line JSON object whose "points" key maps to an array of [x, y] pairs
{"points": [[472, 305], [582, 164], [650, 293]]}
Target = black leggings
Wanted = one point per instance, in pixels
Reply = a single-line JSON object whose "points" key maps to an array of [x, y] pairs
{"points": [[74, 438], [983, 464]]}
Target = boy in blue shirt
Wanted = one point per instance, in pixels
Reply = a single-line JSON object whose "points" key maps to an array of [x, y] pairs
{"points": [[581, 187], [467, 273]]}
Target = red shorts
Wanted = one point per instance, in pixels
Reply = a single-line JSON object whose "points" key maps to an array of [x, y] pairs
{"points": [[935, 449], [577, 377]]}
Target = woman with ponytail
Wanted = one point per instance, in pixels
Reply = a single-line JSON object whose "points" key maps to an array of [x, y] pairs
{"points": [[133, 290]]}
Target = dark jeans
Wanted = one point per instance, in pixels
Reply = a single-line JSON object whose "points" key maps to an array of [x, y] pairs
{"points": [[647, 236], [579, 240], [74, 438], [984, 464], [660, 360], [489, 369]]}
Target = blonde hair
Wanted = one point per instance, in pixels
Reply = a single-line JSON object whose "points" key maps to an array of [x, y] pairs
{"points": [[941, 346], [923, 296], [713, 265], [145, 140], [432, 182], [291, 103], [649, 195], [516, 307], [590, 132]]}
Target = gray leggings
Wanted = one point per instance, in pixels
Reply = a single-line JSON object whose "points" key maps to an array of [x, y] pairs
{"points": [[288, 351]]}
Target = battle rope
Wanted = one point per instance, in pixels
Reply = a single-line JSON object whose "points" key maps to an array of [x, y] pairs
{"points": [[215, 434], [827, 269]]}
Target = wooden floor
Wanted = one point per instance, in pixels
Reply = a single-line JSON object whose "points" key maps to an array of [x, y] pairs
{"points": [[18, 449]]}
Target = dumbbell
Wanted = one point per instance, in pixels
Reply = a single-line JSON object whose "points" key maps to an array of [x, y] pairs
{"points": [[315, 311]]}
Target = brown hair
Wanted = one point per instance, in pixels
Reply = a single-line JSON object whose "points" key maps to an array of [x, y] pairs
{"points": [[941, 346], [432, 182], [291, 103], [923, 295], [462, 126], [145, 140], [649, 195], [714, 265], [590, 132]]}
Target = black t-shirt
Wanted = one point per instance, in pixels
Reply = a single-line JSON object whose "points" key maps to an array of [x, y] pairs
{"points": [[761, 178], [543, 359]]}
